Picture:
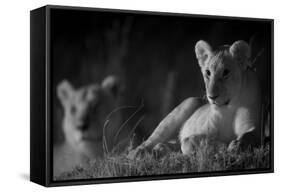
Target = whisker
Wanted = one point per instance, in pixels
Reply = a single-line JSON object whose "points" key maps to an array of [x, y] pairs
{"points": [[123, 125], [104, 142]]}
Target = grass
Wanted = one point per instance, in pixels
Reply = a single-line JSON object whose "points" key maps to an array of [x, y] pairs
{"points": [[206, 159]]}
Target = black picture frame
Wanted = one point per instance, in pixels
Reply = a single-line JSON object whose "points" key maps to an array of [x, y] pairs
{"points": [[41, 145]]}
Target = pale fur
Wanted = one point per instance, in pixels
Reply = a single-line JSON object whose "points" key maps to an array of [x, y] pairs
{"points": [[172, 123], [87, 106], [226, 123], [231, 118]]}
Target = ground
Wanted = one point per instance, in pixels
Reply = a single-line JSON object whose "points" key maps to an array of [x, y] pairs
{"points": [[206, 159]]}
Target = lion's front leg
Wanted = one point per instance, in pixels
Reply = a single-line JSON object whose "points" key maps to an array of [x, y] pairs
{"points": [[247, 130], [169, 126], [162, 149], [190, 144], [159, 150], [245, 141]]}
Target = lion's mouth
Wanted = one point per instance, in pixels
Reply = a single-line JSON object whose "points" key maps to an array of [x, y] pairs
{"points": [[227, 102], [221, 104], [88, 137]]}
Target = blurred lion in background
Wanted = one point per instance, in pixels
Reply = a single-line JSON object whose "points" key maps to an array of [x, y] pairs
{"points": [[89, 123]]}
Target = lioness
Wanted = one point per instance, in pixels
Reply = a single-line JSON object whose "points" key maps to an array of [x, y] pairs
{"points": [[232, 113], [88, 129]]}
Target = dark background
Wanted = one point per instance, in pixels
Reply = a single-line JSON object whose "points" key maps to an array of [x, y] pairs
{"points": [[152, 54]]}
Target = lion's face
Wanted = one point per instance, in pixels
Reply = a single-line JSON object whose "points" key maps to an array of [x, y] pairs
{"points": [[85, 112], [222, 70], [222, 78]]}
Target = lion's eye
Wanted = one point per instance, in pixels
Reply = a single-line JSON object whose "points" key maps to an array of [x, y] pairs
{"points": [[225, 73], [208, 73]]}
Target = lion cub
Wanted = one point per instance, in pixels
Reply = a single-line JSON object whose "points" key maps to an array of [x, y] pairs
{"points": [[86, 125], [232, 113]]}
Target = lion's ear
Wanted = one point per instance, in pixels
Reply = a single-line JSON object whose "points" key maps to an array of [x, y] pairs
{"points": [[64, 90], [203, 52], [241, 52], [112, 85]]}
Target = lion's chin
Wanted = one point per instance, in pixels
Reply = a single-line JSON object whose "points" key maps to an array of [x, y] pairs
{"points": [[87, 139]]}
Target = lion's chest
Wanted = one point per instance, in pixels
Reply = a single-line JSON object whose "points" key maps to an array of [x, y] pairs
{"points": [[222, 120], [216, 123]]}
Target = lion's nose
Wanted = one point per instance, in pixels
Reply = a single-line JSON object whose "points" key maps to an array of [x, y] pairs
{"points": [[213, 97]]}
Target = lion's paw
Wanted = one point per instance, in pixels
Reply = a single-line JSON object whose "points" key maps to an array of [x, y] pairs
{"points": [[160, 150], [137, 153], [234, 146]]}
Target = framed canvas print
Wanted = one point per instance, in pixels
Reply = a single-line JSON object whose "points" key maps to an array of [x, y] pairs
{"points": [[120, 95]]}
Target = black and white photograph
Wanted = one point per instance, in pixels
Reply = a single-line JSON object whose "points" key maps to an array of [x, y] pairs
{"points": [[139, 96], [148, 94]]}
